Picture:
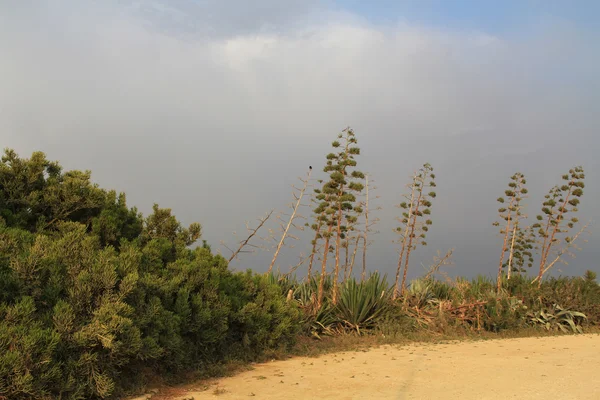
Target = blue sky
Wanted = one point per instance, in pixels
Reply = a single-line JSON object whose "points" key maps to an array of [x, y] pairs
{"points": [[495, 17]]}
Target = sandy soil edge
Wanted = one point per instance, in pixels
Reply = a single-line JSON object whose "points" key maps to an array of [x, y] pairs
{"points": [[562, 367]]}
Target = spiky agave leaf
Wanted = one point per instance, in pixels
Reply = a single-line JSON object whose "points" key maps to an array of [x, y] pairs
{"points": [[361, 304]]}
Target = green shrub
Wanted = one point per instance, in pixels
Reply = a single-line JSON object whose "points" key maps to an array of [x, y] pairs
{"points": [[572, 293], [81, 321], [27, 351], [504, 313]]}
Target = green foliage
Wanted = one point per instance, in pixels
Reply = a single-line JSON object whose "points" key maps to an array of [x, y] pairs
{"points": [[361, 305], [317, 320], [93, 296], [557, 318], [27, 348], [413, 229], [503, 313], [517, 241], [337, 208], [524, 245], [476, 305], [559, 203], [36, 195], [420, 293], [571, 293], [590, 276]]}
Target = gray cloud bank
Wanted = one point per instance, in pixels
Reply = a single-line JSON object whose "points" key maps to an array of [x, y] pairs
{"points": [[214, 108]]}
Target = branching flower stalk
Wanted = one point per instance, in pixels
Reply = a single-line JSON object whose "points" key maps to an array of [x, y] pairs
{"points": [[512, 248], [357, 239], [317, 227], [522, 252], [352, 236], [405, 219], [415, 227], [369, 223], [246, 242], [560, 200], [337, 201], [293, 216], [510, 217], [570, 243], [438, 262]]}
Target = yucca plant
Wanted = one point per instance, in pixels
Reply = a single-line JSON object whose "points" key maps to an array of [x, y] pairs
{"points": [[318, 320], [362, 304], [481, 287], [441, 290], [286, 282], [523, 245], [590, 276], [352, 237], [415, 220], [510, 216], [503, 312], [419, 293], [557, 318], [338, 201], [318, 226], [560, 201], [321, 322]]}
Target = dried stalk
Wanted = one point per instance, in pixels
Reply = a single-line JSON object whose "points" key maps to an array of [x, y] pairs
{"points": [[289, 224], [440, 261], [570, 244], [364, 254], [504, 245], [512, 249], [404, 237], [253, 232]]}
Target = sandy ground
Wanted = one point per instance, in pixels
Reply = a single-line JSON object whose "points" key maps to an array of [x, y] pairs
{"points": [[566, 367]]}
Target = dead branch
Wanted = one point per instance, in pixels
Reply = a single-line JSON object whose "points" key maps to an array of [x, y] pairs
{"points": [[470, 305], [253, 232], [438, 262], [291, 220], [295, 267], [564, 250]]}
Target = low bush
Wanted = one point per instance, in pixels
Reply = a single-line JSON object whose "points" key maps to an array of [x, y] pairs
{"points": [[82, 321]]}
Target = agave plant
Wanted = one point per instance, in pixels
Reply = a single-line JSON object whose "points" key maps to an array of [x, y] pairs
{"points": [[441, 290], [361, 305], [558, 318], [305, 292], [481, 287], [321, 320], [419, 293], [285, 282]]}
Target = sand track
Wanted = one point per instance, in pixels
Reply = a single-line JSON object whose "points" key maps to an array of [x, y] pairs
{"points": [[565, 367]]}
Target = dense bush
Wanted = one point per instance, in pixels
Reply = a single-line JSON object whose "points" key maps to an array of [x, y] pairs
{"points": [[79, 320], [571, 293], [476, 304], [93, 297]]}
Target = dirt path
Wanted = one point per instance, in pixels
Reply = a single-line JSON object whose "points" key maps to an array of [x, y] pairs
{"points": [[566, 367]]}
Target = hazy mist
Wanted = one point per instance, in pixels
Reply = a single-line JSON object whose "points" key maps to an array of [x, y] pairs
{"points": [[215, 108]]}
